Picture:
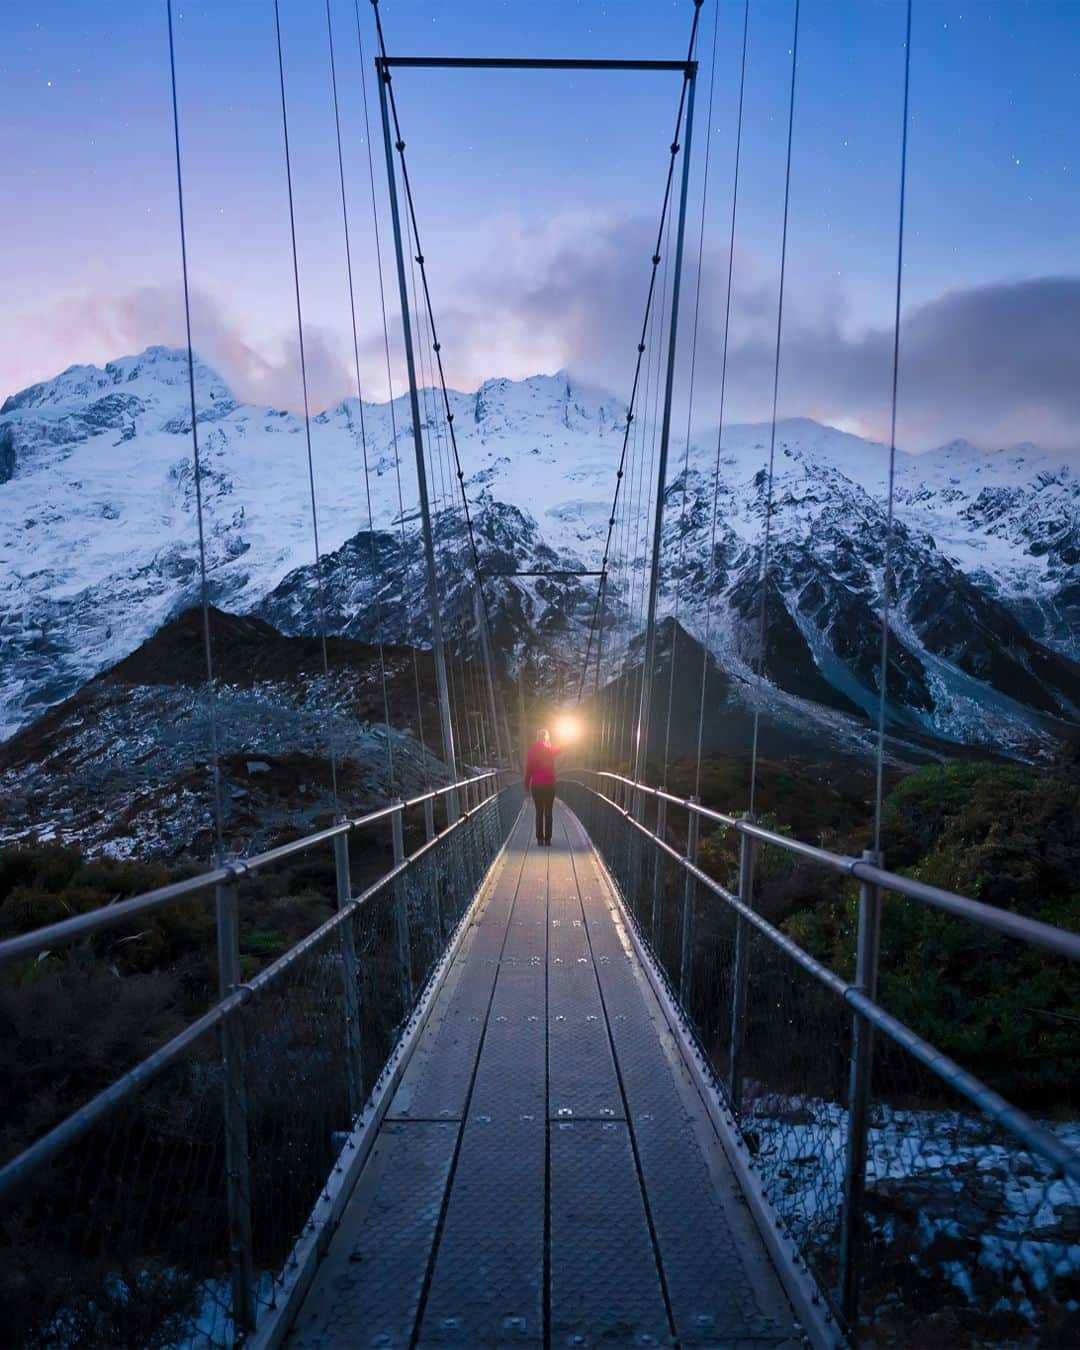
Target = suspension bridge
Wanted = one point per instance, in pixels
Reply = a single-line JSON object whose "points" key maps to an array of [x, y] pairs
{"points": [[570, 1096]]}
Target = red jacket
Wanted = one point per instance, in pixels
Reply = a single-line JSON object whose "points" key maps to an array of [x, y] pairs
{"points": [[540, 764]]}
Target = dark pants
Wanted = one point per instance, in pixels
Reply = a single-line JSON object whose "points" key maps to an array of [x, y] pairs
{"points": [[543, 795]]}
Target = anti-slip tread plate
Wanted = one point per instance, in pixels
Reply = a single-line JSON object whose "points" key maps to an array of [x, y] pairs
{"points": [[546, 1173]]}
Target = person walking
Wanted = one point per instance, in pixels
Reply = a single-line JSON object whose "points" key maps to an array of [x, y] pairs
{"points": [[540, 780]]}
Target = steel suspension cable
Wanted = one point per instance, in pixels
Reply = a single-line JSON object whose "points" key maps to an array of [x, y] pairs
{"points": [[427, 400], [319, 562], [637, 515], [440, 476], [620, 560], [204, 590], [405, 569], [723, 391], [631, 540], [887, 577], [399, 145], [675, 145], [428, 404], [645, 492], [772, 434], [690, 401], [651, 492], [373, 561]]}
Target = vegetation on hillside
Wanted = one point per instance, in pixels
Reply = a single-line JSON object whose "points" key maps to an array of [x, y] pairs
{"points": [[1002, 833], [74, 1019]]}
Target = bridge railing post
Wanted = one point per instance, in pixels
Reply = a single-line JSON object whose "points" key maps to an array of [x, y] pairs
{"points": [[868, 952], [741, 971], [436, 894], [401, 910], [693, 832], [354, 1065], [658, 876], [235, 1112], [633, 854]]}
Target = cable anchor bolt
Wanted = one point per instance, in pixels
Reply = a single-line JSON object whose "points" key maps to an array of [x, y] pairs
{"points": [[399, 145], [656, 259]]}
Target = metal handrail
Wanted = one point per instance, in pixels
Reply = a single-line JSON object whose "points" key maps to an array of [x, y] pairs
{"points": [[73, 1127], [1022, 926], [672, 980], [966, 1084], [990, 1102], [80, 925]]}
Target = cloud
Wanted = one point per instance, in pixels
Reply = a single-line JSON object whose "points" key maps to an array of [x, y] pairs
{"points": [[994, 363], [99, 328]]}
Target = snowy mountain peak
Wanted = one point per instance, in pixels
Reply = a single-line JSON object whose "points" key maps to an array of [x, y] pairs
{"points": [[98, 538], [150, 372], [500, 405], [956, 450]]}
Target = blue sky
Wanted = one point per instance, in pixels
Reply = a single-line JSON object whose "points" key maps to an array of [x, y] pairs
{"points": [[538, 193]]}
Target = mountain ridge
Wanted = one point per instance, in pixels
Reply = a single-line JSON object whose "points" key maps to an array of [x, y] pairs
{"points": [[99, 539]]}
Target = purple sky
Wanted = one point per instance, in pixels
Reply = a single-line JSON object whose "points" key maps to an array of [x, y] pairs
{"points": [[538, 193]]}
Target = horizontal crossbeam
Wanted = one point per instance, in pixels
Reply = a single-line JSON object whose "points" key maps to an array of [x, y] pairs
{"points": [[556, 573], [528, 63]]}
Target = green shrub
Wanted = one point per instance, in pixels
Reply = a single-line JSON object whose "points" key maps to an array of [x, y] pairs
{"points": [[1005, 1010]]}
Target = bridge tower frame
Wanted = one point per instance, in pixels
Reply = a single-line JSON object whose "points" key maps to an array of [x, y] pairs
{"points": [[383, 67]]}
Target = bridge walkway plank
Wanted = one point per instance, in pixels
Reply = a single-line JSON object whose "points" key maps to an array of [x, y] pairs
{"points": [[547, 1173]]}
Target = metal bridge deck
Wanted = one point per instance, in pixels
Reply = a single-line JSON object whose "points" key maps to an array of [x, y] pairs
{"points": [[546, 1172]]}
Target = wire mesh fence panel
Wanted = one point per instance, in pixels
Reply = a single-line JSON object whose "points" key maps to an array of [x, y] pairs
{"points": [[510, 802], [1006, 1011], [172, 1219], [300, 1102], [957, 1233], [123, 1239], [666, 917], [423, 919], [788, 1080], [968, 1237], [706, 980], [295, 1085], [383, 999]]}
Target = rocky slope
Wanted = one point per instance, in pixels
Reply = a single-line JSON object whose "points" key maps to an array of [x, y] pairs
{"points": [[123, 767]]}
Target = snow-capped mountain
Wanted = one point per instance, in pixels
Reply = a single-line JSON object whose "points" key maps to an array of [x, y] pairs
{"points": [[98, 542]]}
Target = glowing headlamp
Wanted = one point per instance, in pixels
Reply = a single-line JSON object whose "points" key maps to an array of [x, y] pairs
{"points": [[567, 729]]}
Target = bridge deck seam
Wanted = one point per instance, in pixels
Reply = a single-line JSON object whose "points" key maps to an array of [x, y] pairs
{"points": [[449, 1188], [623, 1094], [488, 1223]]}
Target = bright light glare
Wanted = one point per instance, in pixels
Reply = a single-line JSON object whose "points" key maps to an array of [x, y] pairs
{"points": [[566, 730]]}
